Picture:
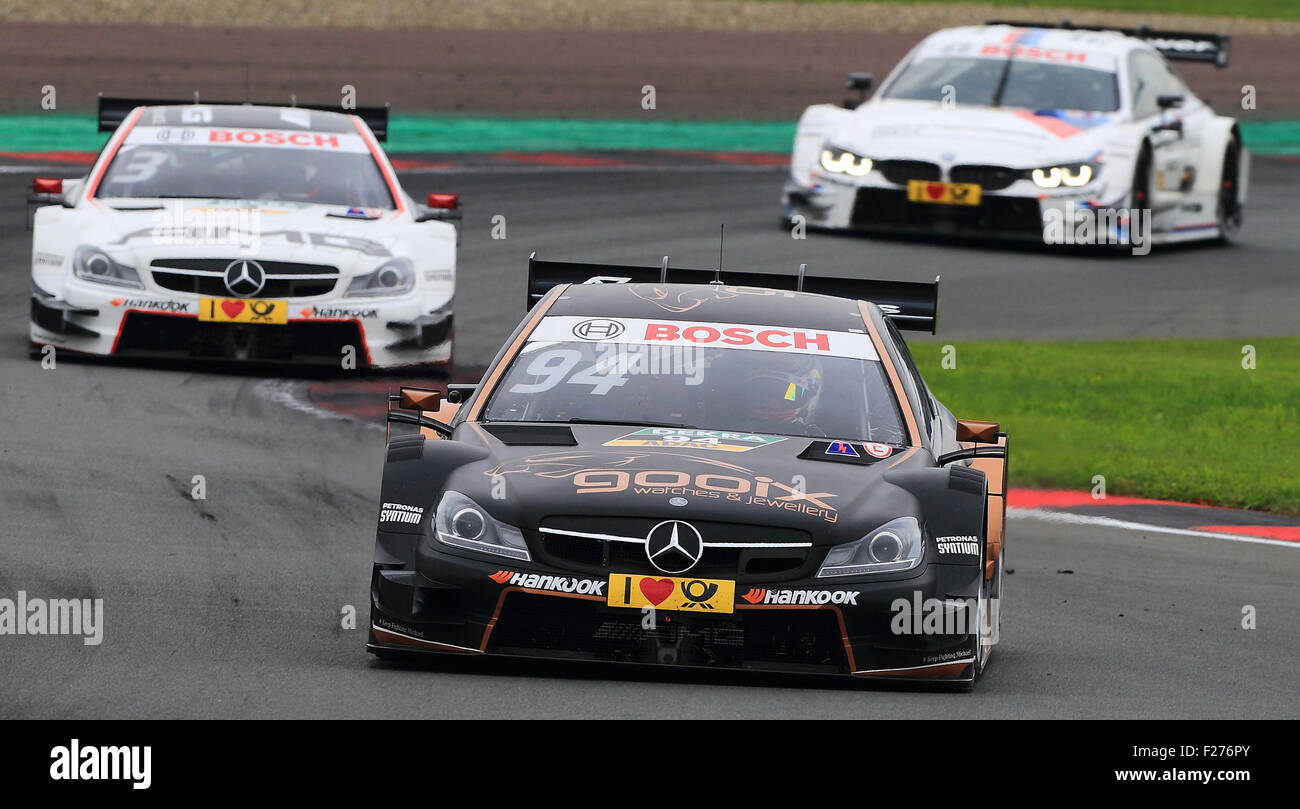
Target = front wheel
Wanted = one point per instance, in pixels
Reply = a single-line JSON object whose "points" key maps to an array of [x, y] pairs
{"points": [[1228, 212]]}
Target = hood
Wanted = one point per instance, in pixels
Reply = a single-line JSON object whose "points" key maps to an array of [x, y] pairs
{"points": [[615, 474], [354, 240], [924, 130]]}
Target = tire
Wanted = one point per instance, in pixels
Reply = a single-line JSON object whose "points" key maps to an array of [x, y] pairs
{"points": [[1140, 190], [1227, 208]]}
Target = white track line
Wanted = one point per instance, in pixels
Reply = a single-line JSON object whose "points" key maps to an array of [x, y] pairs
{"points": [[1109, 522]]}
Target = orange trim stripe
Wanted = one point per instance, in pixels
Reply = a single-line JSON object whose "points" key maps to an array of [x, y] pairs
{"points": [[485, 390], [905, 404]]}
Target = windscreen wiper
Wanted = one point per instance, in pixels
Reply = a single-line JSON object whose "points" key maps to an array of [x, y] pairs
{"points": [[617, 423], [1006, 72]]}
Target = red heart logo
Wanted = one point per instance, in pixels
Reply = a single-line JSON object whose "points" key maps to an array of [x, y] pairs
{"points": [[656, 590], [232, 308], [934, 190]]}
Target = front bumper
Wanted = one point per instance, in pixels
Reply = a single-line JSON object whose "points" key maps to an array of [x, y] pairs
{"points": [[1018, 213], [115, 322], [431, 601]]}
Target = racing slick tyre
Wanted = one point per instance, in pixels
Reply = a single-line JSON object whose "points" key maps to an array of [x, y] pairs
{"points": [[986, 592], [1140, 191], [1227, 210]]}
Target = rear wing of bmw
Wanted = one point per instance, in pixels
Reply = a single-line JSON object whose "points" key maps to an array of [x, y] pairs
{"points": [[112, 111], [910, 305], [1181, 46]]}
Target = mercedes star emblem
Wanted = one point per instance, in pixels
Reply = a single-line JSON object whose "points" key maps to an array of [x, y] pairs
{"points": [[245, 278], [674, 546]]}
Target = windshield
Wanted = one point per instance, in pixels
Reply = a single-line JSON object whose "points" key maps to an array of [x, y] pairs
{"points": [[699, 387], [1031, 85], [331, 169]]}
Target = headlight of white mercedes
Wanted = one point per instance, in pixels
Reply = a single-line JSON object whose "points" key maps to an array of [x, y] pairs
{"points": [[842, 161], [1073, 175], [89, 263], [461, 523], [395, 277], [892, 547]]}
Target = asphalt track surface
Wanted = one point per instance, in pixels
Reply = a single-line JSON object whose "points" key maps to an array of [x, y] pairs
{"points": [[230, 606]]}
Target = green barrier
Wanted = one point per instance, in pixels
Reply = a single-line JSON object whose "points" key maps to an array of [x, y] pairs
{"points": [[54, 132]]}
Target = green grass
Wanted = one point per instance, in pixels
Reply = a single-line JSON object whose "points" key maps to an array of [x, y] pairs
{"points": [[1262, 9], [1169, 419]]}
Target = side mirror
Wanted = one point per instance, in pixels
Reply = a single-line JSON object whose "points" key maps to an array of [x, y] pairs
{"points": [[1169, 101], [44, 191], [421, 400], [47, 185], [984, 432], [861, 83], [442, 207]]}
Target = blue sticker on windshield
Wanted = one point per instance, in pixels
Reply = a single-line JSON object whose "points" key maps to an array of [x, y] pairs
{"points": [[842, 448]]}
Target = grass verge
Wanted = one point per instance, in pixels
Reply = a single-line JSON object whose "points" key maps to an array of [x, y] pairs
{"points": [[1170, 419]]}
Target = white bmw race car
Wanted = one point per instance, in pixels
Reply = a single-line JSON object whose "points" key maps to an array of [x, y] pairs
{"points": [[244, 232], [1027, 131]]}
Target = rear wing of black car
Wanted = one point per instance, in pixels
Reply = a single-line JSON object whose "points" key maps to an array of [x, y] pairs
{"points": [[911, 305], [112, 111], [1182, 46]]}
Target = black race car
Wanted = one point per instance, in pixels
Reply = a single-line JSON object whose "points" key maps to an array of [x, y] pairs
{"points": [[659, 467]]}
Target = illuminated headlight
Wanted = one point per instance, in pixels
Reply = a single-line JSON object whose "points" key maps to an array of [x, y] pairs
{"points": [[892, 547], [1073, 175], [461, 523], [394, 277], [841, 161], [92, 264]]}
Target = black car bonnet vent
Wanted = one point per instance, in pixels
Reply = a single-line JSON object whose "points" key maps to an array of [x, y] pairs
{"points": [[547, 435]]}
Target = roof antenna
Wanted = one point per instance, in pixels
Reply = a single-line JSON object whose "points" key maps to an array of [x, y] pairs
{"points": [[663, 271], [196, 96], [717, 274], [293, 99], [803, 268]]}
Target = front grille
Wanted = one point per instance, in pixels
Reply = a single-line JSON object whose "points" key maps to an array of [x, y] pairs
{"points": [[990, 178], [886, 207], [769, 554], [900, 171], [796, 640], [207, 276], [151, 334]]}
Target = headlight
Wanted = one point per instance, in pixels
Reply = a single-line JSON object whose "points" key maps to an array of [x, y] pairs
{"points": [[461, 523], [842, 161], [394, 277], [894, 546], [92, 264], [1071, 174]]}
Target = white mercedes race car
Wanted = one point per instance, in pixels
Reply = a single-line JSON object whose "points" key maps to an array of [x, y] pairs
{"points": [[1027, 131], [244, 232]]}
